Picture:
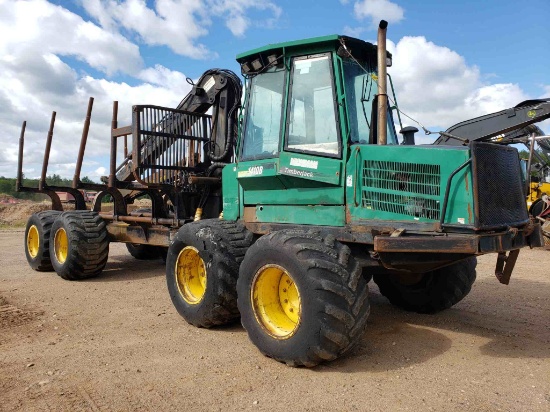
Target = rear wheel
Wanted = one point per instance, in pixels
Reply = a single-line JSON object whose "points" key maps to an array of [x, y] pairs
{"points": [[202, 267], [143, 252], [79, 245], [37, 240], [537, 207], [302, 297], [433, 291]]}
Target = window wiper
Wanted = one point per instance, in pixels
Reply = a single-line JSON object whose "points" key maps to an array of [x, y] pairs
{"points": [[363, 100]]}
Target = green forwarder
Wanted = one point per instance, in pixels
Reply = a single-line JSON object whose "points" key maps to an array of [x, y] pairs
{"points": [[281, 211]]}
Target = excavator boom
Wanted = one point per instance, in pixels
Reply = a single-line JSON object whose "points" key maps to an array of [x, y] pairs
{"points": [[510, 124]]}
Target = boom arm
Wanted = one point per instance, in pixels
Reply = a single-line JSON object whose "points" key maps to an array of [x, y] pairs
{"points": [[220, 90], [509, 124]]}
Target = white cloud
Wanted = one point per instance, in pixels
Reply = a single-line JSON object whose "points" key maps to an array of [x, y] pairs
{"points": [[437, 87], [353, 31], [38, 27], [234, 13], [178, 24], [377, 10], [35, 80], [71, 110], [38, 37]]}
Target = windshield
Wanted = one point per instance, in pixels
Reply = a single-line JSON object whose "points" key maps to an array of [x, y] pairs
{"points": [[361, 90]]}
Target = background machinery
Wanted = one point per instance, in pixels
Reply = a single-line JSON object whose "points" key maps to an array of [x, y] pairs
{"points": [[318, 198], [515, 125]]}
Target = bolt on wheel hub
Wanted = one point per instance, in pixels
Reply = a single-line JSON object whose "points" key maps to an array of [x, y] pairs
{"points": [[33, 241], [190, 275], [61, 245], [276, 301]]}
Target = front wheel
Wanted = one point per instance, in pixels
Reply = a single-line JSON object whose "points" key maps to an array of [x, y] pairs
{"points": [[434, 291], [302, 297], [202, 266]]}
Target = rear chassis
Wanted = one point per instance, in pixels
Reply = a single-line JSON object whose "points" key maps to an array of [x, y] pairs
{"points": [[153, 168]]}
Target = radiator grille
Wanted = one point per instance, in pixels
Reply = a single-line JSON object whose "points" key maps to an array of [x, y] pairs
{"points": [[404, 177], [403, 188], [401, 204]]}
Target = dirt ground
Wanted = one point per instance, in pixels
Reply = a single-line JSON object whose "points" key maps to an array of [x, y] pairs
{"points": [[115, 343], [16, 215]]}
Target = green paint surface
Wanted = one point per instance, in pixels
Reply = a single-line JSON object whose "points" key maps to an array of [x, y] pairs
{"points": [[305, 215]]}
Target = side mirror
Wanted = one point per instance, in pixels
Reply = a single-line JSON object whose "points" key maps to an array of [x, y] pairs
{"points": [[408, 134]]}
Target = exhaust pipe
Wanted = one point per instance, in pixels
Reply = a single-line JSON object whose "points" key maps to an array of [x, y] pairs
{"points": [[382, 84]]}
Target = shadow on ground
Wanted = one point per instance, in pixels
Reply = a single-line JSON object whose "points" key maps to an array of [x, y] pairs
{"points": [[514, 328]]}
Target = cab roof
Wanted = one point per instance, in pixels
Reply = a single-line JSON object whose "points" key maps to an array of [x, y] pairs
{"points": [[333, 41]]}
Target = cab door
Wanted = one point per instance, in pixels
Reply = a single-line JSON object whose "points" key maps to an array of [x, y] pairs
{"points": [[300, 179]]}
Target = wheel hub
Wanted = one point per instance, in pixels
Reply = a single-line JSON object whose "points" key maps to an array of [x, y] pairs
{"points": [[61, 245], [191, 275], [33, 241], [276, 301]]}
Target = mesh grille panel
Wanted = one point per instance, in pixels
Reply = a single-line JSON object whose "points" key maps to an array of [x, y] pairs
{"points": [[403, 188], [404, 177], [405, 205], [498, 185]]}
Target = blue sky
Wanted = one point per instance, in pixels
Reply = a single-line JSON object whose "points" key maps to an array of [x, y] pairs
{"points": [[452, 59]]}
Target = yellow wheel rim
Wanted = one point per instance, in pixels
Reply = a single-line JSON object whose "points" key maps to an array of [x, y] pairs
{"points": [[276, 301], [191, 275], [33, 241], [61, 245]]}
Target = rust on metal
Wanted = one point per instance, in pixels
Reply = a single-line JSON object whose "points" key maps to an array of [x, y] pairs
{"points": [[203, 180], [155, 235], [143, 219], [19, 180], [426, 244], [83, 140], [250, 214], [112, 163], [505, 266], [42, 182], [121, 131], [382, 84]]}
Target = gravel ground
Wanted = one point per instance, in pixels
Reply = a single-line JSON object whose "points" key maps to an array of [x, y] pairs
{"points": [[116, 343]]}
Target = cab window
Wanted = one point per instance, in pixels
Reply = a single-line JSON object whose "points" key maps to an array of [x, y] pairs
{"points": [[311, 111], [262, 129]]}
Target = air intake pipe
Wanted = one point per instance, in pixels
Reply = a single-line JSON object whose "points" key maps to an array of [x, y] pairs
{"points": [[382, 84]]}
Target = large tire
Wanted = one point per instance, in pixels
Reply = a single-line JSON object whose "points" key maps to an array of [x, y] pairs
{"points": [[202, 267], [435, 291], [302, 297], [79, 245], [537, 207], [143, 252], [37, 240]]}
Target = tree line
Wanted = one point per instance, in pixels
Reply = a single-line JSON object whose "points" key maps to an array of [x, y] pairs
{"points": [[7, 186]]}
